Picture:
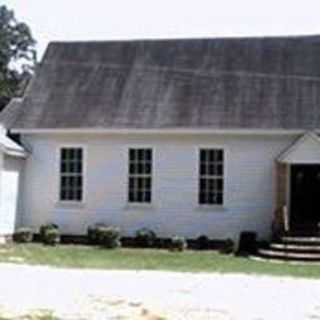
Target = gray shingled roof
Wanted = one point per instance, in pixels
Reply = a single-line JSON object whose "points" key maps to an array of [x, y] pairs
{"points": [[236, 83], [10, 113]]}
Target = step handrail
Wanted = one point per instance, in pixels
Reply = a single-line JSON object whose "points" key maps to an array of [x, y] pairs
{"points": [[286, 219], [281, 222]]}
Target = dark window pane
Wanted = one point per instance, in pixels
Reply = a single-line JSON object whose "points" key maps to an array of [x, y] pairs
{"points": [[203, 169], [220, 155], [67, 166], [219, 169], [148, 183], [140, 183], [132, 154], [140, 168], [131, 197], [212, 169], [203, 184], [203, 155], [63, 182], [79, 194], [148, 155], [71, 153], [73, 182], [211, 198], [72, 167], [132, 168], [220, 198], [71, 195], [148, 196], [79, 181], [78, 154], [202, 198], [62, 194], [79, 167], [64, 154], [66, 194], [212, 155], [131, 184], [70, 182], [148, 168], [140, 154], [211, 185], [139, 196], [63, 167]]}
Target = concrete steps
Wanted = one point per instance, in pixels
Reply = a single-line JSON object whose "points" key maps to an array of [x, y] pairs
{"points": [[293, 248], [311, 241]]}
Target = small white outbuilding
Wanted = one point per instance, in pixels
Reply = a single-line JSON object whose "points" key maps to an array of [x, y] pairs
{"points": [[12, 158]]}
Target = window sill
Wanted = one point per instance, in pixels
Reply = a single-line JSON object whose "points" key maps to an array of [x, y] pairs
{"points": [[70, 205], [132, 206], [213, 208]]}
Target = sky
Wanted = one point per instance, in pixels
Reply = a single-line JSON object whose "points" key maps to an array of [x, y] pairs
{"points": [[67, 20]]}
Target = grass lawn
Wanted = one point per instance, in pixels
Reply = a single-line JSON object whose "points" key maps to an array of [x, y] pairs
{"points": [[77, 256]]}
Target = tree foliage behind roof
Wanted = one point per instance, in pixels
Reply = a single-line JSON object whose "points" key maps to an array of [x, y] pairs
{"points": [[17, 55]]}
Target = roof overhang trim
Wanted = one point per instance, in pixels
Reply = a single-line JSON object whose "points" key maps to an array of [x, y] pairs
{"points": [[305, 150], [11, 148], [159, 131]]}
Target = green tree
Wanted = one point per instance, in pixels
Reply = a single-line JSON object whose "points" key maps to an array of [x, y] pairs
{"points": [[17, 55]]}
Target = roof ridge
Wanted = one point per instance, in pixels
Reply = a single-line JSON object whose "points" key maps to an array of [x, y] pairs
{"points": [[200, 38]]}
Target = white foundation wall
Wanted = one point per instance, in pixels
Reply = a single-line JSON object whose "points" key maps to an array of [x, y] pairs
{"points": [[10, 194], [248, 195]]}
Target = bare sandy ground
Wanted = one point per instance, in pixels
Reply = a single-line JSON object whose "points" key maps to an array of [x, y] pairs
{"points": [[152, 295]]}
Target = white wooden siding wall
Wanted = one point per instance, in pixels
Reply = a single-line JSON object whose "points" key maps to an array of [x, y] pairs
{"points": [[10, 194], [249, 184]]}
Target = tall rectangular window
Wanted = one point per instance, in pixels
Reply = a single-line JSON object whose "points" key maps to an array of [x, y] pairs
{"points": [[211, 183], [71, 174], [140, 175]]}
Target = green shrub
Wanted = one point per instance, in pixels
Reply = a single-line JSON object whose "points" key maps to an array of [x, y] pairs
{"points": [[51, 237], [49, 234], [92, 233], [178, 244], [108, 237], [202, 242], [145, 238], [23, 235], [45, 227], [227, 247]]}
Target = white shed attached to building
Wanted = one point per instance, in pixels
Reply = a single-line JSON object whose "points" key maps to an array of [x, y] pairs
{"points": [[11, 169]]}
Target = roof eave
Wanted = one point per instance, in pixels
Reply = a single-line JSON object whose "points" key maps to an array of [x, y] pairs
{"points": [[156, 131]]}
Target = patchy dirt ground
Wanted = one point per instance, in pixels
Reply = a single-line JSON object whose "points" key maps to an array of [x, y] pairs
{"points": [[149, 295]]}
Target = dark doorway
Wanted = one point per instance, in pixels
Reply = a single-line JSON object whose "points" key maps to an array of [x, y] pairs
{"points": [[305, 197]]}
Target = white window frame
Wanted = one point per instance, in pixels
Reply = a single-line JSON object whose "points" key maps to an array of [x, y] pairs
{"points": [[224, 194], [134, 203], [84, 174]]}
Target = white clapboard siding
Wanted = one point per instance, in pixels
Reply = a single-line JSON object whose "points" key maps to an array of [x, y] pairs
{"points": [[249, 184]]}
